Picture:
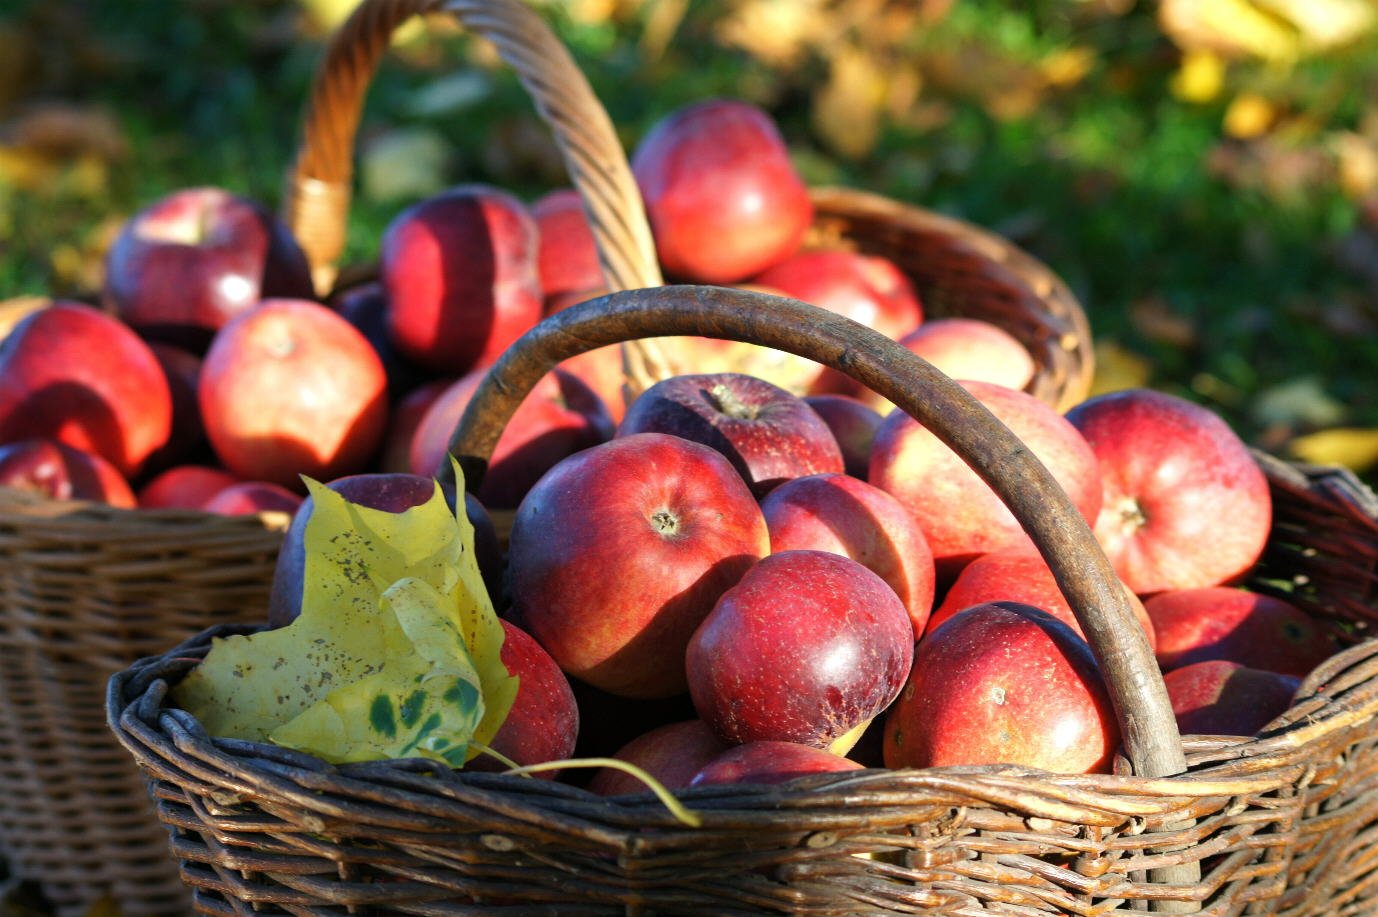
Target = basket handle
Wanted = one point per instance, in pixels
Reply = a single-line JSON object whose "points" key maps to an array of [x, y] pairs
{"points": [[317, 198], [1085, 576]]}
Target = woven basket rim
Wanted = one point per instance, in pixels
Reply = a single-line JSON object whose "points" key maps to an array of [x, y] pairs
{"points": [[17, 503]]}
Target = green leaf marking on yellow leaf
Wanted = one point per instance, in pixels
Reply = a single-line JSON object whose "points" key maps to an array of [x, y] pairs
{"points": [[395, 654]]}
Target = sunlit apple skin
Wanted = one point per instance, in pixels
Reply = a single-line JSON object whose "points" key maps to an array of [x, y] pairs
{"points": [[567, 258], [770, 762], [59, 472], [620, 551], [1223, 698], [1185, 504], [292, 389], [76, 375], [1220, 622], [182, 267], [1019, 575], [559, 417], [672, 754], [723, 199], [865, 288], [543, 723], [838, 513], [960, 515], [184, 487], [809, 647], [769, 435], [459, 270], [1003, 683], [391, 493], [248, 498], [854, 426]]}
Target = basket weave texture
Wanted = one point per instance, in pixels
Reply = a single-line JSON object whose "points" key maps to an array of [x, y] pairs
{"points": [[1281, 823]]}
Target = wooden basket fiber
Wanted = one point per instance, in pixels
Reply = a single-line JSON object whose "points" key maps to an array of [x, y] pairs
{"points": [[1281, 823], [87, 589], [959, 269]]}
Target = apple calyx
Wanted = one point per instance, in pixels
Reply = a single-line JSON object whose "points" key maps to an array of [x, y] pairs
{"points": [[665, 522], [727, 402], [1131, 514]]}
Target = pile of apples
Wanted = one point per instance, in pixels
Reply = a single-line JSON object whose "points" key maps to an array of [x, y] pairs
{"points": [[746, 574]]}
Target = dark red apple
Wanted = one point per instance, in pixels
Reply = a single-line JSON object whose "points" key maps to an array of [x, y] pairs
{"points": [[366, 308], [187, 440], [543, 723], [620, 551], [292, 389], [1219, 622], [184, 487], [567, 257], [723, 198], [1003, 683], [961, 516], [770, 762], [391, 493], [608, 722], [249, 498], [461, 278], [865, 288], [672, 754], [769, 435], [809, 647], [59, 472], [188, 263], [1021, 575], [854, 426], [79, 376], [1185, 503], [406, 415], [558, 418], [1220, 698], [837, 513]]}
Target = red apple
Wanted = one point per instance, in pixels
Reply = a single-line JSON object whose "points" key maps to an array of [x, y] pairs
{"points": [[567, 257], [723, 198], [461, 278], [558, 418], [544, 720], [769, 435], [807, 648], [79, 376], [366, 308], [184, 487], [391, 493], [292, 389], [865, 288], [1003, 683], [837, 513], [405, 416], [1185, 504], [187, 264], [1220, 698], [620, 551], [1018, 574], [770, 762], [961, 516], [854, 426], [187, 439], [1219, 622], [672, 754], [59, 472], [249, 498]]}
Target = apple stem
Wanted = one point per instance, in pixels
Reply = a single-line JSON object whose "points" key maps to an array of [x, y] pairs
{"points": [[726, 401], [679, 810]]}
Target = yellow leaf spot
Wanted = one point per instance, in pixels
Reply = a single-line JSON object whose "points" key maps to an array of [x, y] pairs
{"points": [[1068, 67], [1354, 448], [1200, 77], [1249, 116]]}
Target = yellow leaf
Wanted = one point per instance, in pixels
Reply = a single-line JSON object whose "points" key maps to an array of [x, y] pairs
{"points": [[1249, 116], [1352, 447], [1068, 67], [395, 653], [846, 110], [16, 309], [1200, 77], [1118, 369]]}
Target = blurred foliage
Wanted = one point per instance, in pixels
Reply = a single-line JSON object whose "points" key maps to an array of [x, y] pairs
{"points": [[1204, 173]]}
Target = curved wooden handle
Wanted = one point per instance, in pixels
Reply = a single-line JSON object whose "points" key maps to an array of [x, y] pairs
{"points": [[317, 197], [1085, 576]]}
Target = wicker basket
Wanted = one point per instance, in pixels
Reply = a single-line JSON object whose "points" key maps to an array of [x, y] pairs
{"points": [[1282, 823], [87, 589]]}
